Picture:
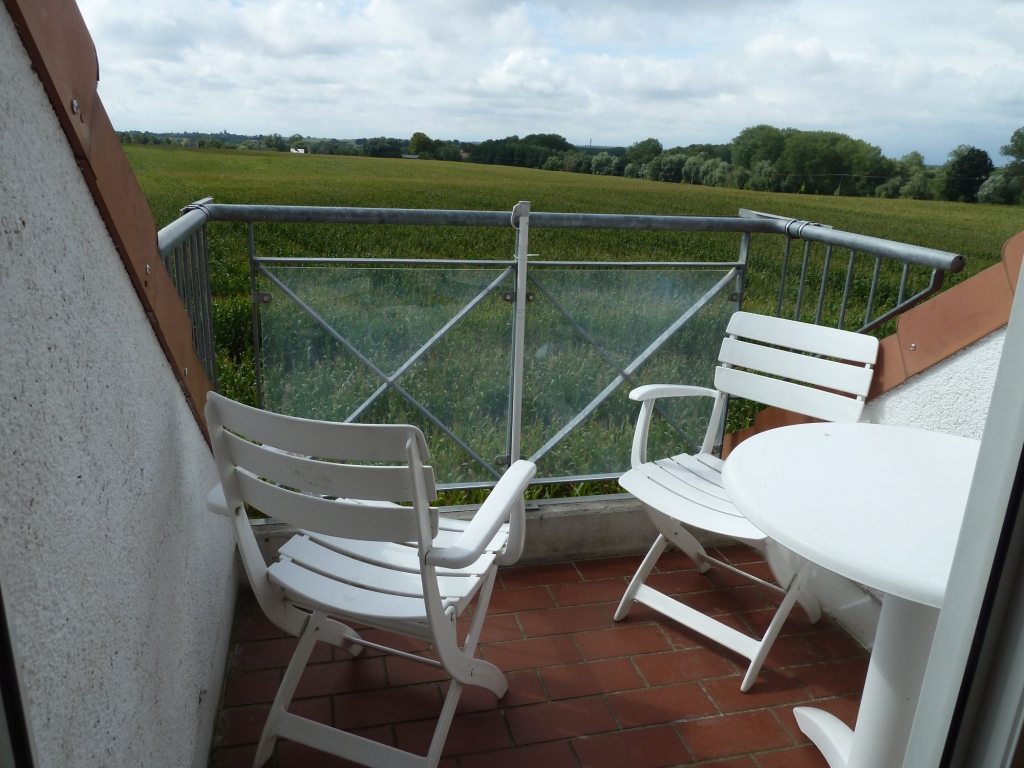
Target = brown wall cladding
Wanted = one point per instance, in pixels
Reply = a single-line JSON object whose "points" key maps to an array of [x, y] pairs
{"points": [[926, 334], [63, 54]]}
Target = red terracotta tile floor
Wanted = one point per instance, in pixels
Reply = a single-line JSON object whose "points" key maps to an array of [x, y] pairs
{"points": [[583, 690]]}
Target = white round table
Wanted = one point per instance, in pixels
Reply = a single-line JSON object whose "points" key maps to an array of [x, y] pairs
{"points": [[883, 506]]}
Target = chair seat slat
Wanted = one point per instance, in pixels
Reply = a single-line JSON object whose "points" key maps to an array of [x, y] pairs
{"points": [[369, 576], [675, 478], [664, 501], [689, 464], [316, 591], [852, 379], [398, 557]]}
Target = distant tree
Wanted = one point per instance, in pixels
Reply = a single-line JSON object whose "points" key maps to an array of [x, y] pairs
{"points": [[890, 187], [919, 187], [670, 167], [551, 141], [816, 162], [1002, 188], [721, 151], [715, 173], [420, 142], [215, 143], [576, 162], [619, 168], [757, 143], [1006, 185], [913, 160], [335, 147], [602, 164], [966, 170], [691, 168], [275, 142], [533, 151], [653, 172], [554, 163], [441, 150], [1015, 150], [763, 177], [644, 151], [383, 147], [631, 170]]}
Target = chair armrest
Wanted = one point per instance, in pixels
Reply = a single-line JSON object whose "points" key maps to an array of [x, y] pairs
{"points": [[493, 513], [652, 391], [647, 395], [216, 503]]}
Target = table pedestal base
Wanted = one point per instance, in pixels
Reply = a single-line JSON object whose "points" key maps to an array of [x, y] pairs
{"points": [[891, 690]]}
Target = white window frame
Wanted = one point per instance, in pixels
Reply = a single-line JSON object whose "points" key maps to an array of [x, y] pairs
{"points": [[972, 697]]}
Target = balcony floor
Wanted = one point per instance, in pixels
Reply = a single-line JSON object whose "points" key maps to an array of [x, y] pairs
{"points": [[583, 690]]}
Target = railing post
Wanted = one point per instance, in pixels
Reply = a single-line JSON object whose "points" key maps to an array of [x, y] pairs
{"points": [[741, 273], [519, 327], [741, 282], [254, 295]]}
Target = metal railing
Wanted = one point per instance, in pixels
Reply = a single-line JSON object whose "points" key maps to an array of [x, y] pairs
{"points": [[820, 293], [185, 252]]}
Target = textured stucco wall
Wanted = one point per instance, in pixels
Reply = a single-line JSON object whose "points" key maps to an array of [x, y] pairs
{"points": [[950, 397], [118, 583]]}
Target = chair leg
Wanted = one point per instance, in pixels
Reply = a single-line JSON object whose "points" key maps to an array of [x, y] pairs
{"points": [[288, 685], [640, 577], [477, 624], [792, 595], [444, 722], [780, 561]]}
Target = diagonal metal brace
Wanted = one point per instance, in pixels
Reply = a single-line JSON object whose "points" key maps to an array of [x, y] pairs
{"points": [[358, 412], [607, 358], [377, 371], [642, 358]]}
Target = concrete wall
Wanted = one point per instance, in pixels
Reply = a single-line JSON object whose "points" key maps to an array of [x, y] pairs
{"points": [[950, 397], [118, 583]]}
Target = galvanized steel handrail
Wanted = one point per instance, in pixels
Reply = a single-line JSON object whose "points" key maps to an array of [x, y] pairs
{"points": [[748, 222]]}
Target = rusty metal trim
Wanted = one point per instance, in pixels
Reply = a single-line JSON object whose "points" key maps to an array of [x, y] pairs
{"points": [[62, 52]]}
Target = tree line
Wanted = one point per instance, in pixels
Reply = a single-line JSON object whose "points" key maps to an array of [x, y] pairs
{"points": [[769, 159], [760, 158], [380, 146]]}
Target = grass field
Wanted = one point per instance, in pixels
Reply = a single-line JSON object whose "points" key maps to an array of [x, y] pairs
{"points": [[173, 177]]}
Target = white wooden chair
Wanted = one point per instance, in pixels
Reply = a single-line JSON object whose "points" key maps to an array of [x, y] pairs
{"points": [[773, 361], [359, 556]]}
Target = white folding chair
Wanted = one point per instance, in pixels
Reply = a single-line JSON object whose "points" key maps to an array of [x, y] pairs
{"points": [[820, 372], [360, 556]]}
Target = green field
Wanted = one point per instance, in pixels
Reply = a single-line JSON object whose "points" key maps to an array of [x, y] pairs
{"points": [[173, 177]]}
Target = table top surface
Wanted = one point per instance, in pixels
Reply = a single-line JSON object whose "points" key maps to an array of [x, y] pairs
{"points": [[879, 504]]}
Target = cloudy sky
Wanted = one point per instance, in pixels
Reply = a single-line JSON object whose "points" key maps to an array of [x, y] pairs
{"points": [[903, 74]]}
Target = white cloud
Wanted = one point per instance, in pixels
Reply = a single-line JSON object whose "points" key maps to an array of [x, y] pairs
{"points": [[904, 75]]}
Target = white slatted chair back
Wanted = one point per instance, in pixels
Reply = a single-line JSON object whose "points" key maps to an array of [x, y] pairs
{"points": [[816, 371], [261, 460], [259, 457]]}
